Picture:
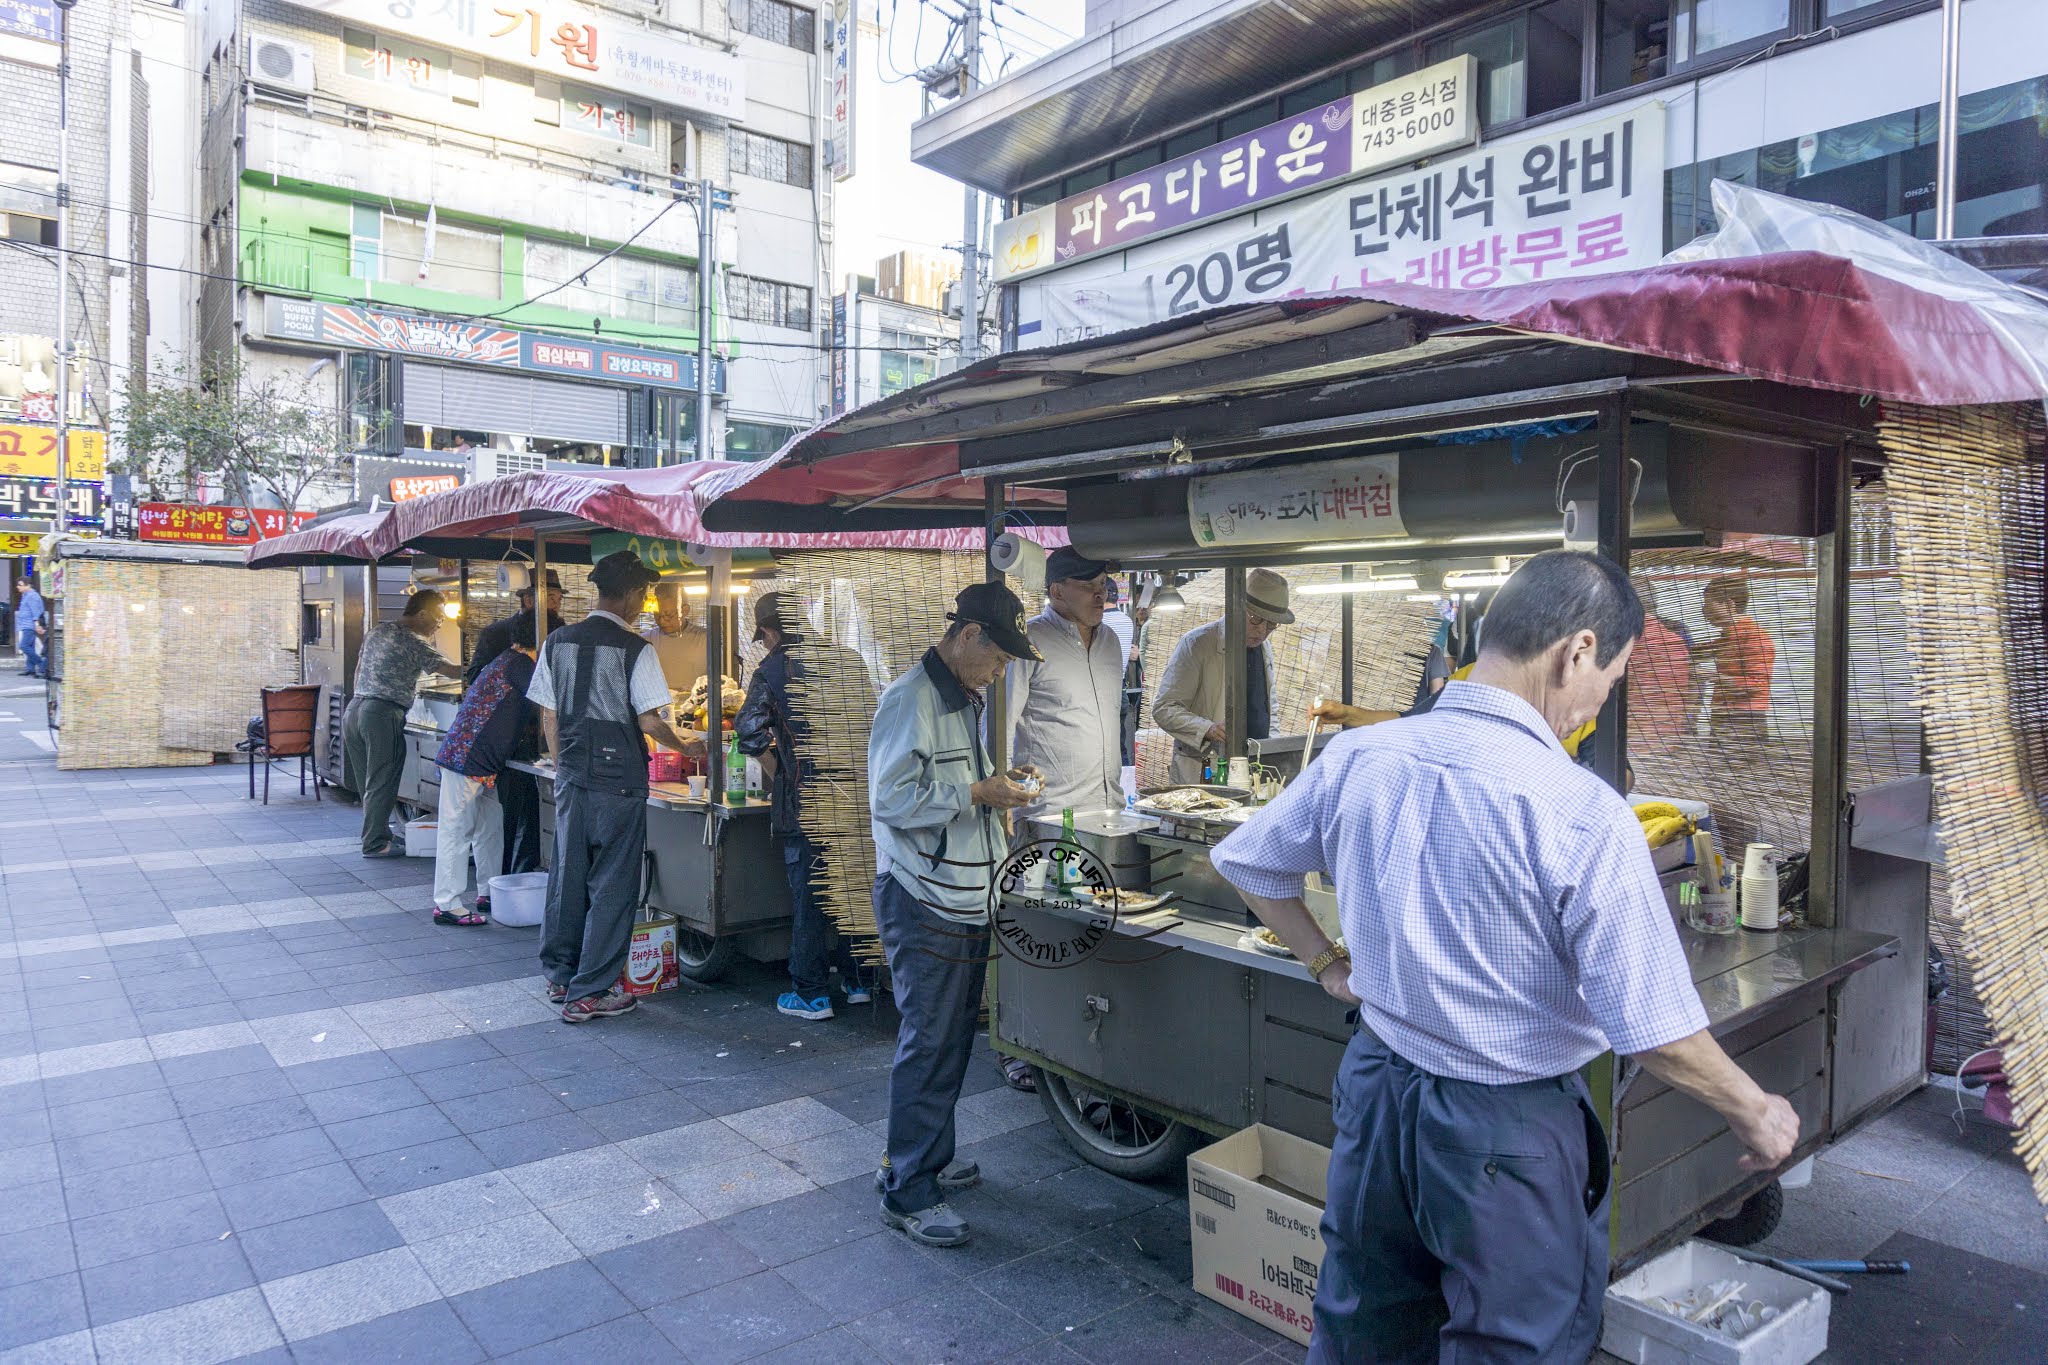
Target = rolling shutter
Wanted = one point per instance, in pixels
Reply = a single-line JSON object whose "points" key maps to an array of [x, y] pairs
{"points": [[485, 400]]}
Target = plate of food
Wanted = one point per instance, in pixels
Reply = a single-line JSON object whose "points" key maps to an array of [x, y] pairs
{"points": [[1268, 942], [1127, 902], [1187, 801]]}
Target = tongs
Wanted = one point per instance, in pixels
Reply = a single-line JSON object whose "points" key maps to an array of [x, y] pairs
{"points": [[1315, 726]]}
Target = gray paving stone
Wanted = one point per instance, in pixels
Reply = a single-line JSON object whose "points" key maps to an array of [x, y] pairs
{"points": [[212, 1329], [438, 1056], [955, 1323], [25, 1129], [429, 1163], [436, 1210], [703, 1143], [232, 1091], [631, 1338], [739, 1320], [127, 1147], [348, 1292], [500, 1108], [268, 1156], [280, 1250], [389, 1132], [364, 1099], [732, 1186], [41, 1309], [32, 1206], [534, 1308], [474, 1258], [536, 1140], [165, 1279], [36, 1254], [470, 1078], [244, 1122], [430, 1334], [334, 1072], [281, 1198], [182, 1074], [141, 1229], [104, 1083]]}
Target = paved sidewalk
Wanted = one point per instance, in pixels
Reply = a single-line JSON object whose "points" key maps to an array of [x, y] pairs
{"points": [[254, 1105]]}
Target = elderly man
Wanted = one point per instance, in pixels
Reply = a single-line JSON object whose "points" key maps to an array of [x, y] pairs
{"points": [[1065, 709], [1190, 702], [501, 635], [934, 795], [388, 670], [1467, 1208], [681, 646]]}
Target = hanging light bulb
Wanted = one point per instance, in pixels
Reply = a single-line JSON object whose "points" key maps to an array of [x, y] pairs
{"points": [[1168, 599]]}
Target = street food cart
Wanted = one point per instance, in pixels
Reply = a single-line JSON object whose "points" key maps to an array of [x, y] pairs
{"points": [[711, 865], [1679, 409]]}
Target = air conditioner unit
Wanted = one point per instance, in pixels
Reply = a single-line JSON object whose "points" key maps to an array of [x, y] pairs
{"points": [[276, 65], [485, 463]]}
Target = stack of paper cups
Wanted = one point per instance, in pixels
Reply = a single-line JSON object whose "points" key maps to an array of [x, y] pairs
{"points": [[1760, 887]]}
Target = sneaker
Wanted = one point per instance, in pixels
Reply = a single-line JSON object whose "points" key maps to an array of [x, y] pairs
{"points": [[958, 1175], [857, 994], [796, 1007], [937, 1226], [556, 994], [613, 1001]]}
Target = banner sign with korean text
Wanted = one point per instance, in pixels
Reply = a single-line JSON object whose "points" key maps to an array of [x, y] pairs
{"points": [[479, 343], [20, 542], [1430, 111], [567, 41], [30, 31], [1578, 201], [845, 33], [36, 499], [406, 487], [29, 451], [1345, 500], [188, 524]]}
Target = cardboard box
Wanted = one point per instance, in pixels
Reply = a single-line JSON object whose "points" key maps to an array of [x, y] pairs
{"points": [[1255, 1209], [651, 961]]}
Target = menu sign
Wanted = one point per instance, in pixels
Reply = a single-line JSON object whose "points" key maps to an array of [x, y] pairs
{"points": [[1345, 500], [31, 452], [1404, 120], [193, 525]]}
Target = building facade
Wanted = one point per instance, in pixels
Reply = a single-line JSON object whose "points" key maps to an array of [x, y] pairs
{"points": [[480, 225], [890, 330], [1184, 154]]}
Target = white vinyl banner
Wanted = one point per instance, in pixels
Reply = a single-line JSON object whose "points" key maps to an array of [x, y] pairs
{"points": [[1582, 200]]}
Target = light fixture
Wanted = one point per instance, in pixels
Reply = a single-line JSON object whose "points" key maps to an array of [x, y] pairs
{"points": [[1168, 599], [1458, 580], [696, 590], [451, 610], [1407, 584], [137, 606], [739, 589]]}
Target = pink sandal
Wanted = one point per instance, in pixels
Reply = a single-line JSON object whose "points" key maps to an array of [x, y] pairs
{"points": [[469, 921]]}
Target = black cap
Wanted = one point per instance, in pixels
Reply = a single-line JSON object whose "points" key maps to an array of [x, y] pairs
{"points": [[554, 584], [621, 574], [1000, 615], [768, 614], [1067, 562]]}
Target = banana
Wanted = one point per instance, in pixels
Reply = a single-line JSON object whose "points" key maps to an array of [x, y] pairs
{"points": [[1664, 829], [1651, 810]]}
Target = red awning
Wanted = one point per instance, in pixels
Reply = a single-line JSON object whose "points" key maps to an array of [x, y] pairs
{"points": [[345, 538]]}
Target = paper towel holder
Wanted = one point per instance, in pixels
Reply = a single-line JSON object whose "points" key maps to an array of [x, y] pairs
{"points": [[1021, 559]]}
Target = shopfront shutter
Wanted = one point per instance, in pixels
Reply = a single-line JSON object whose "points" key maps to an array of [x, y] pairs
{"points": [[482, 400]]}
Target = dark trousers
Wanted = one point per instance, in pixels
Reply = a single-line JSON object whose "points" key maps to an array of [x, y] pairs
{"points": [[373, 736], [1465, 1222], [593, 888], [938, 967], [813, 948], [519, 798]]}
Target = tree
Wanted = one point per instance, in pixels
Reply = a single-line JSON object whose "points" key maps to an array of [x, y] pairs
{"points": [[270, 433]]}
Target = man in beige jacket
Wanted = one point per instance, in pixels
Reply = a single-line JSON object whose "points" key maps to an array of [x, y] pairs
{"points": [[1189, 704]]}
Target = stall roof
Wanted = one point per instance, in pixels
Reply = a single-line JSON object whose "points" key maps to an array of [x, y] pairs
{"points": [[1259, 374], [493, 515]]}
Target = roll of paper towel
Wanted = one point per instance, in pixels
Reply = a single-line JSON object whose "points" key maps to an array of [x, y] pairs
{"points": [[1021, 559]]}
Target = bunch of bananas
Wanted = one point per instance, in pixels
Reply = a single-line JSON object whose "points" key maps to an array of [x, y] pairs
{"points": [[1662, 822]]}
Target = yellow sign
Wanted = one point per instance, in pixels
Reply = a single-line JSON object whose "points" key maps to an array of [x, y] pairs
{"points": [[29, 451], [19, 543]]}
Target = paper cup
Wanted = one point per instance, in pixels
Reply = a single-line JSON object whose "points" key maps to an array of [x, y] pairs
{"points": [[697, 786], [1759, 860], [1759, 902]]}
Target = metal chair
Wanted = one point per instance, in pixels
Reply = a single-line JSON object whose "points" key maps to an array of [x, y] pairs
{"points": [[287, 733]]}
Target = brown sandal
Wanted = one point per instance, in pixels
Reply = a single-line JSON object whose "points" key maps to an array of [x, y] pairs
{"points": [[469, 921]]}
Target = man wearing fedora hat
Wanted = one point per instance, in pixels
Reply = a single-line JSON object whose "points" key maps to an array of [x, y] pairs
{"points": [[1189, 705]]}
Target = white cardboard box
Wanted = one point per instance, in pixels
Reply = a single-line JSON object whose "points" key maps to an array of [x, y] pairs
{"points": [[1637, 1332], [1258, 1249]]}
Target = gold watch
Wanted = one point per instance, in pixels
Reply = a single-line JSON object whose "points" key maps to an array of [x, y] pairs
{"points": [[1320, 963]]}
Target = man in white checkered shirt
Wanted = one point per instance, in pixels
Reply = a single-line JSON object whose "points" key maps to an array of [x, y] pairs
{"points": [[1509, 928]]}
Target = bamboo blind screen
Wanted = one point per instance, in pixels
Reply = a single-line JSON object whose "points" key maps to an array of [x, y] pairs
{"points": [[1969, 513]]}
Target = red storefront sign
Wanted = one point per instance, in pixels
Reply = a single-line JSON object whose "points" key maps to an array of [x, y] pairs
{"points": [[406, 487], [177, 521]]}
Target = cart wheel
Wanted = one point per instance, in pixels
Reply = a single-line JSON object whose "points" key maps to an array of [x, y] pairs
{"points": [[1754, 1221], [700, 956], [1113, 1134]]}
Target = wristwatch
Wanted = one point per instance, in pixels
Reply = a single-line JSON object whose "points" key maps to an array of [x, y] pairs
{"points": [[1318, 964]]}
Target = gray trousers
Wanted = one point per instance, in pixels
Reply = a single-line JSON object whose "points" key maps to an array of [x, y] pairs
{"points": [[373, 741], [1465, 1222], [593, 888], [938, 967]]}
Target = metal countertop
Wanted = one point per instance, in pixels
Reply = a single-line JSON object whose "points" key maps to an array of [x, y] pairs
{"points": [[663, 795]]}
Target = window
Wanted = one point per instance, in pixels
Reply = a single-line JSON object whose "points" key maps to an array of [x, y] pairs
{"points": [[756, 440], [779, 23], [628, 287], [902, 370], [766, 301], [597, 114], [1503, 53], [28, 205], [1855, 9], [1635, 42], [390, 60], [459, 261], [1700, 28], [768, 158]]}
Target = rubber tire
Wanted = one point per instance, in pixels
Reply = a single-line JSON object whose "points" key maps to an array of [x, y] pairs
{"points": [[1165, 1159], [1755, 1220], [711, 964]]}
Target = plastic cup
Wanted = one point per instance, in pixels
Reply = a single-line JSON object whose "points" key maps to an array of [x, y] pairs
{"points": [[697, 786]]}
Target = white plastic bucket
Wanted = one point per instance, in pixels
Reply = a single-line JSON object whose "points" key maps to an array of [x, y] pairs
{"points": [[420, 838], [519, 899]]}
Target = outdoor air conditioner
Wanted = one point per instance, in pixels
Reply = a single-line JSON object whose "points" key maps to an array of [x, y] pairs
{"points": [[485, 463], [275, 65]]}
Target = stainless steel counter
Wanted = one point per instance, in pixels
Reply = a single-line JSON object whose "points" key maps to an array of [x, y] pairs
{"points": [[664, 795]]}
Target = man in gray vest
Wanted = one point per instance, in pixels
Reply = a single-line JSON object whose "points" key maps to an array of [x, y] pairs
{"points": [[599, 691]]}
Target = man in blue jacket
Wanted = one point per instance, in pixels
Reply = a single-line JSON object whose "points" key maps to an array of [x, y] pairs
{"points": [[28, 624], [934, 794]]}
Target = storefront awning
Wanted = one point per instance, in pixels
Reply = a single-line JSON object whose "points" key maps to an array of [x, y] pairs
{"points": [[1156, 394], [337, 540]]}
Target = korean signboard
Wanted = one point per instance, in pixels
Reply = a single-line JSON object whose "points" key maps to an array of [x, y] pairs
{"points": [[845, 33], [479, 343], [406, 487], [1577, 201], [30, 31], [190, 525], [1345, 500], [593, 47], [19, 542], [28, 451], [841, 304], [1419, 115], [36, 500]]}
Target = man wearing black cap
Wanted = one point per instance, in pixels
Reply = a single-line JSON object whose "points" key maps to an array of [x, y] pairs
{"points": [[599, 690], [933, 794], [499, 636], [1066, 713], [770, 730], [518, 792]]}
